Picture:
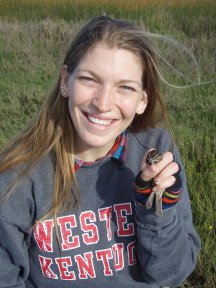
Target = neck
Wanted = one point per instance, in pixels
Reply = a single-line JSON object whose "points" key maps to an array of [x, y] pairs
{"points": [[91, 154]]}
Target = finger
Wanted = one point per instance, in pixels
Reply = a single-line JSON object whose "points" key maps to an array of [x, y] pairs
{"points": [[168, 182], [167, 159], [168, 171], [149, 172]]}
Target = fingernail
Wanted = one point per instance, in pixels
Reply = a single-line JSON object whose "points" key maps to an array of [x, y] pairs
{"points": [[157, 181]]}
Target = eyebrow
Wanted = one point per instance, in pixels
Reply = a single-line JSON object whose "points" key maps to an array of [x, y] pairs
{"points": [[129, 81], [88, 71], [121, 81]]}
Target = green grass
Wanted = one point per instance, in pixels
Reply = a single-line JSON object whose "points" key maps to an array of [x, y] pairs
{"points": [[34, 36]]}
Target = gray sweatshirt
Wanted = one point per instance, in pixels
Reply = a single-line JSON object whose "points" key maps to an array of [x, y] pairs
{"points": [[108, 239]]}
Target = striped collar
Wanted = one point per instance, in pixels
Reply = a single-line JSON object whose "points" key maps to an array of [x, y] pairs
{"points": [[118, 152]]}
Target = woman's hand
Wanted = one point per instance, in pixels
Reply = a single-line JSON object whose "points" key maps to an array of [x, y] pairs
{"points": [[161, 172]]}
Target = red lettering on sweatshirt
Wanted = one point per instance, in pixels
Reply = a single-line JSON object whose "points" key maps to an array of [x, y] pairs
{"points": [[124, 229], [131, 250], [106, 214], [45, 264], [85, 265], [43, 235], [118, 250], [66, 223], [63, 264], [112, 257], [92, 237], [104, 256]]}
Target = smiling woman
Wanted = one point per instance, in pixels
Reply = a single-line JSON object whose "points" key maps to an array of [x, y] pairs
{"points": [[104, 97], [76, 185]]}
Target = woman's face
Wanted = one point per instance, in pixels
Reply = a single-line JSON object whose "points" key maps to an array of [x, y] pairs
{"points": [[105, 92]]}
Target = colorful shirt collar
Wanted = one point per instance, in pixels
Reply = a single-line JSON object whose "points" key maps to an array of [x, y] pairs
{"points": [[118, 152]]}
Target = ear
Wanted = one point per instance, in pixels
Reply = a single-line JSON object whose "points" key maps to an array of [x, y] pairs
{"points": [[142, 103], [64, 81]]}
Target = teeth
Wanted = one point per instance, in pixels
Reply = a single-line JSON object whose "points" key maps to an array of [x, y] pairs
{"points": [[99, 121]]}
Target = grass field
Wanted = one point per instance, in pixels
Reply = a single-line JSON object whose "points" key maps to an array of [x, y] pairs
{"points": [[33, 38]]}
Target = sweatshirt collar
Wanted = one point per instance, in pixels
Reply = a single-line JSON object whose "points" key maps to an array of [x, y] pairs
{"points": [[118, 151]]}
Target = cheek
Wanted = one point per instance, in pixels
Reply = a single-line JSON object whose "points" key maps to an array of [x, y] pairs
{"points": [[76, 97], [128, 108]]}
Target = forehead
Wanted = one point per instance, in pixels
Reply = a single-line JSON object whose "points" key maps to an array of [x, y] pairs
{"points": [[108, 59]]}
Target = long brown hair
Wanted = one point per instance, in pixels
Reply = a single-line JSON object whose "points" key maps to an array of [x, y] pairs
{"points": [[53, 130]]}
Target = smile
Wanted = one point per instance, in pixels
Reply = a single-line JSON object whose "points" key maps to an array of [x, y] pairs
{"points": [[104, 122]]}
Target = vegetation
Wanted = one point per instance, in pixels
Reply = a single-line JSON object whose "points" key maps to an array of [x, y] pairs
{"points": [[34, 38]]}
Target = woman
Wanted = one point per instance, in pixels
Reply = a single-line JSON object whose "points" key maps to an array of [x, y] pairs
{"points": [[71, 215]]}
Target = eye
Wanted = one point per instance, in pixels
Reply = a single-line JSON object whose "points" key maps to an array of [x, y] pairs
{"points": [[86, 79], [128, 88]]}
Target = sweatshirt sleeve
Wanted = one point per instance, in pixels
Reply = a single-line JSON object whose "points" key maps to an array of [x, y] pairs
{"points": [[16, 215], [167, 246]]}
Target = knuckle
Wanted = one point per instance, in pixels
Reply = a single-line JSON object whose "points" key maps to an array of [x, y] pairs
{"points": [[175, 167], [154, 169], [170, 155], [173, 179]]}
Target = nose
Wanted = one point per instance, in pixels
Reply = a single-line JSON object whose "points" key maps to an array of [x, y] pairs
{"points": [[103, 99]]}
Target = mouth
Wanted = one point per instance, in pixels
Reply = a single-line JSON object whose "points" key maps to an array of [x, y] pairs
{"points": [[97, 120]]}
